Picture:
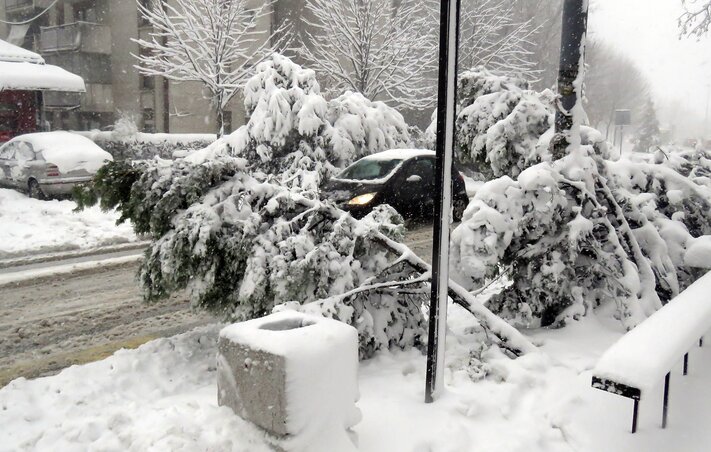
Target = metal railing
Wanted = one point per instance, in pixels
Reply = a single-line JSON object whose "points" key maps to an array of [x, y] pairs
{"points": [[77, 36], [19, 4]]}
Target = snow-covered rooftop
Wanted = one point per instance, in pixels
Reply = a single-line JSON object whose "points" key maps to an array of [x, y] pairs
{"points": [[21, 69], [14, 54], [400, 154]]}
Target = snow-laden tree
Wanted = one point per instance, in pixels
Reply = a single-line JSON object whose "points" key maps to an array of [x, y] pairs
{"points": [[214, 42], [647, 134], [696, 19], [492, 36], [573, 233], [241, 226], [383, 49]]}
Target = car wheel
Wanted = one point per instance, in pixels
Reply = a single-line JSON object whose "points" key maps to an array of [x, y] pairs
{"points": [[34, 190], [458, 210]]}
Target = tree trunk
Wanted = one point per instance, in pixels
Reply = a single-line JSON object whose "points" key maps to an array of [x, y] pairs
{"points": [[220, 113]]}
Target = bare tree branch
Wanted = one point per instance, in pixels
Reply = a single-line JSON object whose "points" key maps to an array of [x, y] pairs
{"points": [[214, 42]]}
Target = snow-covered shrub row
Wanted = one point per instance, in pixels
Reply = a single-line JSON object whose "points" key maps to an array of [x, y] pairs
{"points": [[140, 146], [576, 232]]}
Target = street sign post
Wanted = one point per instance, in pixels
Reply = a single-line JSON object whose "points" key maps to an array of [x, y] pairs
{"points": [[446, 105]]}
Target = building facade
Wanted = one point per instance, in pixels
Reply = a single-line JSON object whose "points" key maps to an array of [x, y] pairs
{"points": [[93, 38]]}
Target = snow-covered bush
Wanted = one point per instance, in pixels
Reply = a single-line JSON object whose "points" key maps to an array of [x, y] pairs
{"points": [[573, 233], [499, 122], [498, 131]]}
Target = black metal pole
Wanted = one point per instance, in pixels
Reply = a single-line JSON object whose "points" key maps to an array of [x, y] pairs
{"points": [[701, 341], [572, 45], [686, 363], [446, 105], [665, 407], [635, 415]]}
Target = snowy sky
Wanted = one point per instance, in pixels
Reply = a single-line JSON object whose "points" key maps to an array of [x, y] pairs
{"points": [[646, 30]]}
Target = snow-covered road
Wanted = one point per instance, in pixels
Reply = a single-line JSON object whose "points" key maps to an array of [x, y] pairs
{"points": [[51, 322]]}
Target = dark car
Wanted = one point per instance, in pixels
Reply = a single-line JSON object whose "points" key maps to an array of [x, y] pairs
{"points": [[403, 178]]}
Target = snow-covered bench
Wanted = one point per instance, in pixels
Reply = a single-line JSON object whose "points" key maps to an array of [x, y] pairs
{"points": [[634, 364]]}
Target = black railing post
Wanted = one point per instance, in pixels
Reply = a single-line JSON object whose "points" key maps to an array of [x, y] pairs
{"points": [[446, 106], [686, 363], [635, 414], [665, 407]]}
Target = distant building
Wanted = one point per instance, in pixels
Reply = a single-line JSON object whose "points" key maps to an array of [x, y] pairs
{"points": [[92, 38]]}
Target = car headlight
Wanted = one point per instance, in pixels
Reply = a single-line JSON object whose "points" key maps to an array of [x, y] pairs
{"points": [[362, 199]]}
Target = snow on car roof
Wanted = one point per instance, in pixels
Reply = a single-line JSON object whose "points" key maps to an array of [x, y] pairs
{"points": [[400, 154], [68, 151]]}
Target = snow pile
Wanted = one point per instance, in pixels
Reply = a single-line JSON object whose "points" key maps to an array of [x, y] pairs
{"points": [[32, 226], [162, 396], [171, 382], [643, 356], [321, 368]]}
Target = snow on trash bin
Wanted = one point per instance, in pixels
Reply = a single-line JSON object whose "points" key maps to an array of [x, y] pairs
{"points": [[294, 375]]}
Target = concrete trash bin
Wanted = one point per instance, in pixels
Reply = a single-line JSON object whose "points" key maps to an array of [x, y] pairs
{"points": [[292, 374]]}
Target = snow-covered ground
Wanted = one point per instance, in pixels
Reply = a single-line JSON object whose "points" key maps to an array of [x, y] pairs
{"points": [[162, 396], [29, 226]]}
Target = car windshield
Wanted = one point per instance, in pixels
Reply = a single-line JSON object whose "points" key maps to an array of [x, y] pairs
{"points": [[369, 169]]}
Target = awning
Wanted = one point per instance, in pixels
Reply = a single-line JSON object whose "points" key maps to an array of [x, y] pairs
{"points": [[17, 34], [38, 77]]}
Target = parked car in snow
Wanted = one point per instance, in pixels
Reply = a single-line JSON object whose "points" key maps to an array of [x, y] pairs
{"points": [[403, 178], [49, 163]]}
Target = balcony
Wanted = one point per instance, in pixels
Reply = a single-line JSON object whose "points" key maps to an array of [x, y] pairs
{"points": [[19, 6], [76, 37]]}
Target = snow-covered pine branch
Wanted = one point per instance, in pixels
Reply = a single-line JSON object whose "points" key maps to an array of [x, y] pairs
{"points": [[382, 49], [213, 42]]}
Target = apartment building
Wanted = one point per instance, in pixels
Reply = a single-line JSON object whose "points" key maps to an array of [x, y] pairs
{"points": [[92, 38]]}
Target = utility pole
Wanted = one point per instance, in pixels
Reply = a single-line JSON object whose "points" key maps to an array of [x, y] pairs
{"points": [[572, 49]]}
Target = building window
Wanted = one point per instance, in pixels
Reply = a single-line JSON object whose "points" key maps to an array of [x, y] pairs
{"points": [[149, 121], [148, 83], [86, 12]]}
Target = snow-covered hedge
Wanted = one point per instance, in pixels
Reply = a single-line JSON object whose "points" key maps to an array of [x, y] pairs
{"points": [[141, 146]]}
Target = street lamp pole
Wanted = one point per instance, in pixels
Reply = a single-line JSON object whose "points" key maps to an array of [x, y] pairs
{"points": [[446, 106], [572, 46]]}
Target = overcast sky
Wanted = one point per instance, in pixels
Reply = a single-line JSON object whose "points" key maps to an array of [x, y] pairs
{"points": [[647, 31]]}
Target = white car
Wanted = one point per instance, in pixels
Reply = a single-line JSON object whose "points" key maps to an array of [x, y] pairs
{"points": [[49, 163]]}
